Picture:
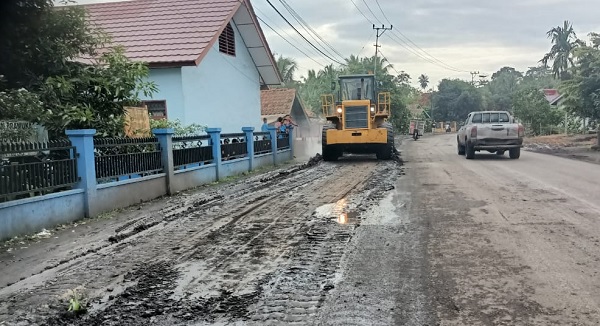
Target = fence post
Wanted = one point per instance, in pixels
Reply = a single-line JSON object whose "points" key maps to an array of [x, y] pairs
{"points": [[215, 140], [165, 139], [273, 136], [291, 140], [83, 141], [250, 145]]}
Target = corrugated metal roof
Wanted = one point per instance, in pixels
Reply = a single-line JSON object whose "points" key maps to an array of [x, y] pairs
{"points": [[180, 32]]}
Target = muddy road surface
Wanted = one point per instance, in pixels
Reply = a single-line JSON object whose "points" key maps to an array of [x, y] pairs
{"points": [[511, 242], [440, 240], [263, 250]]}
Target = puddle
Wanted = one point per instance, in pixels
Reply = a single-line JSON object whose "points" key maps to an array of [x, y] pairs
{"points": [[340, 211]]}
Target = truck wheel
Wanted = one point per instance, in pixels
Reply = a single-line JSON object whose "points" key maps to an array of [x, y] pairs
{"points": [[461, 149], [500, 153], [514, 153], [469, 151], [386, 151], [329, 152]]}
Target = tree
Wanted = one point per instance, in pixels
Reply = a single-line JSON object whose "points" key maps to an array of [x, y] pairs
{"points": [[423, 81], [539, 77], [581, 94], [564, 41], [39, 41], [455, 99], [531, 107], [502, 87], [94, 96], [45, 80], [402, 78], [287, 67]]}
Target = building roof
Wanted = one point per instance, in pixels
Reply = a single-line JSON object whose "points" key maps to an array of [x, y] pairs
{"points": [[552, 96], [277, 101], [181, 32]]}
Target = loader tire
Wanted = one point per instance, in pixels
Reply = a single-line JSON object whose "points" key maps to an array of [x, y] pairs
{"points": [[387, 151], [328, 151]]}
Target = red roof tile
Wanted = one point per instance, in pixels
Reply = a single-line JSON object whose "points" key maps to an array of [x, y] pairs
{"points": [[277, 101], [163, 31]]}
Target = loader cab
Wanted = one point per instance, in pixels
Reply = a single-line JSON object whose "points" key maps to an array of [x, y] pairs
{"points": [[357, 87], [357, 104]]}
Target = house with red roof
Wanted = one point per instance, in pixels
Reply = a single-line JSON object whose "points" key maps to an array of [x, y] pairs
{"points": [[209, 58], [279, 102]]}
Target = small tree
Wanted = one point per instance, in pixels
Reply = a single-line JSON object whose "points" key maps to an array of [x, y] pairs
{"points": [[94, 96], [530, 106]]}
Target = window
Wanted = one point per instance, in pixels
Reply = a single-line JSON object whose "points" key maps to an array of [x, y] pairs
{"points": [[157, 109], [490, 117], [227, 41]]}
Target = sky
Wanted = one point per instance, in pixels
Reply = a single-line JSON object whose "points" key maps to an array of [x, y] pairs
{"points": [[438, 38]]}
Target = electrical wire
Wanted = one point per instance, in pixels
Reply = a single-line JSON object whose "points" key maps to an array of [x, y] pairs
{"points": [[402, 43], [274, 28], [305, 39], [310, 30], [449, 67], [292, 44], [366, 43]]}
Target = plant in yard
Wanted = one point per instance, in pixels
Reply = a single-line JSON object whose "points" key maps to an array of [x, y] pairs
{"points": [[179, 129]]}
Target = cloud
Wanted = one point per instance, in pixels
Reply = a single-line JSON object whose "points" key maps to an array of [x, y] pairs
{"points": [[471, 35]]}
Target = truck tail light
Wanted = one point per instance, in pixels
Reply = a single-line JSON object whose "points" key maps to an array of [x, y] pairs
{"points": [[521, 130], [474, 132]]}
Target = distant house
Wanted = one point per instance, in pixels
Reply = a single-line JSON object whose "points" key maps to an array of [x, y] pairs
{"points": [[552, 96], [279, 102], [209, 58]]}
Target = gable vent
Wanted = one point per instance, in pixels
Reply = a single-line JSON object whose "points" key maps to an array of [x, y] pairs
{"points": [[227, 41]]}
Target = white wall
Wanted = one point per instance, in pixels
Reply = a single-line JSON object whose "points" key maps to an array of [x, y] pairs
{"points": [[223, 91]]}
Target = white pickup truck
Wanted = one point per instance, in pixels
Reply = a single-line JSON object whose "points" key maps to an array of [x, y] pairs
{"points": [[492, 131]]}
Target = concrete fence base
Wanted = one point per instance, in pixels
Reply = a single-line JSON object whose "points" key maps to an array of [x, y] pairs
{"points": [[89, 199]]}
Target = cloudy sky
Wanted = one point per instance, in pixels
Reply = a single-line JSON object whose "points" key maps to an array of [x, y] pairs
{"points": [[440, 38]]}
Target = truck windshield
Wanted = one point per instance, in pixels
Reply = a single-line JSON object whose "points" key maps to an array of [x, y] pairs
{"points": [[357, 89]]}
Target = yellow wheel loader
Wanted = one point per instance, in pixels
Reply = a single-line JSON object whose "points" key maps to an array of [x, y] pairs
{"points": [[357, 121]]}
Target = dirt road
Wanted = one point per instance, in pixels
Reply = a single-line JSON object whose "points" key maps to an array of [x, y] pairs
{"points": [[491, 241], [511, 242]]}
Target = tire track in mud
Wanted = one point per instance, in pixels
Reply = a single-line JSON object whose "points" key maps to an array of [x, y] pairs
{"points": [[242, 248]]}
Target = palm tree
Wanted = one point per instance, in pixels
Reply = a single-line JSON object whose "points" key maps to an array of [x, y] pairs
{"points": [[423, 81], [564, 41], [287, 67]]}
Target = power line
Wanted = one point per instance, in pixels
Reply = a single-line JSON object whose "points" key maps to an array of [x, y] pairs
{"points": [[292, 26], [274, 28], [309, 29], [365, 44], [391, 65], [372, 13], [292, 44], [402, 42], [417, 46]]}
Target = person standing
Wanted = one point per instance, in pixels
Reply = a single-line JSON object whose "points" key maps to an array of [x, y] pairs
{"points": [[265, 126]]}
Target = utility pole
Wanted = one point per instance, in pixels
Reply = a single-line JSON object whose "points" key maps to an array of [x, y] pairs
{"points": [[473, 74], [379, 32]]}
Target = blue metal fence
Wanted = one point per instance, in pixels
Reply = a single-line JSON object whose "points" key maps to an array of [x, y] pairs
{"points": [[192, 151], [124, 158], [31, 168]]}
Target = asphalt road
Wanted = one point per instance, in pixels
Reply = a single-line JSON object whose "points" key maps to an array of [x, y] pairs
{"points": [[440, 240]]}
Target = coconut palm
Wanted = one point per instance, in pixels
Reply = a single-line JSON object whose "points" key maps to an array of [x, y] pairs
{"points": [[423, 81], [287, 67], [564, 41]]}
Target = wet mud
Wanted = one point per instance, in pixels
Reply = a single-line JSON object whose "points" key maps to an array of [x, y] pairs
{"points": [[266, 249]]}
